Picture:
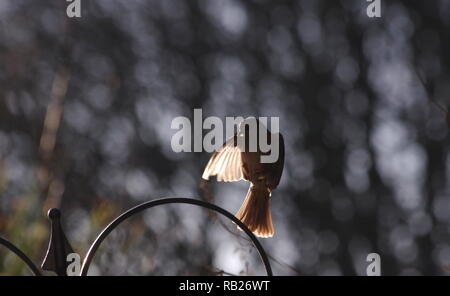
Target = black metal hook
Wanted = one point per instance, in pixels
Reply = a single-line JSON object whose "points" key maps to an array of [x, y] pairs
{"points": [[108, 229], [10, 246]]}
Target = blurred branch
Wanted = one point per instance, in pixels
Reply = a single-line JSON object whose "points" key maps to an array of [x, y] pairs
{"points": [[52, 188], [443, 109], [54, 113], [284, 264]]}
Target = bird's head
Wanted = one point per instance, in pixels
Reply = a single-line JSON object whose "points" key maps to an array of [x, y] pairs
{"points": [[247, 126], [250, 125]]}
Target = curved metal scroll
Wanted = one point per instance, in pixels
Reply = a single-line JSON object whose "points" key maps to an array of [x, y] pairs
{"points": [[108, 229], [10, 246]]}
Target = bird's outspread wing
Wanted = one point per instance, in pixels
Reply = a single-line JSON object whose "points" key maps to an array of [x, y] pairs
{"points": [[226, 163]]}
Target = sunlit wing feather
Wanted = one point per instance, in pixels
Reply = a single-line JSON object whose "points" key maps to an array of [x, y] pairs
{"points": [[226, 164]]}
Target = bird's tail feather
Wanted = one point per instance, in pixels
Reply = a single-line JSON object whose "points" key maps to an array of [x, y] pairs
{"points": [[255, 212]]}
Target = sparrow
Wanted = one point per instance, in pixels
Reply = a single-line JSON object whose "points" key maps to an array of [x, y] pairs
{"points": [[234, 161]]}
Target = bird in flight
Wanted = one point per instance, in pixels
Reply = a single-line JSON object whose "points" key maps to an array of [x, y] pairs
{"points": [[234, 161]]}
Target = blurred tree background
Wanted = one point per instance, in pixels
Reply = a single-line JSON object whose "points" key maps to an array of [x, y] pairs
{"points": [[86, 106]]}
